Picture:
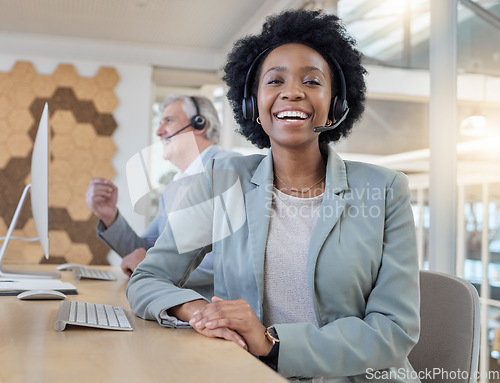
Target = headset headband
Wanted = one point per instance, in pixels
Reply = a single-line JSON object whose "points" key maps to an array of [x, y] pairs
{"points": [[249, 103]]}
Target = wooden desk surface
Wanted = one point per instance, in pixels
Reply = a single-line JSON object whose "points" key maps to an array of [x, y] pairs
{"points": [[32, 351]]}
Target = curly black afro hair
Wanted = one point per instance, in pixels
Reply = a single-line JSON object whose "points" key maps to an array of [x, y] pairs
{"points": [[324, 33]]}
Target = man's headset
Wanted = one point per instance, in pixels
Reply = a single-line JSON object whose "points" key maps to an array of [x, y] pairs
{"points": [[198, 122], [338, 107]]}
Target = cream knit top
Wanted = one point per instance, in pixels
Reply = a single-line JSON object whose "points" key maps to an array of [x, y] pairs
{"points": [[287, 293]]}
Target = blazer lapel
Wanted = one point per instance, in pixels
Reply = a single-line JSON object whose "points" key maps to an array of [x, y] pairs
{"points": [[332, 207], [258, 205]]}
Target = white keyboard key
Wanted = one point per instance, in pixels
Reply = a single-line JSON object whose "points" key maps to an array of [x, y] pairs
{"points": [[122, 318], [101, 316], [72, 312], [111, 316], [81, 312], [91, 314]]}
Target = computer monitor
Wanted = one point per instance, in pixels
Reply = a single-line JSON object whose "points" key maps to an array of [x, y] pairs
{"points": [[39, 200]]}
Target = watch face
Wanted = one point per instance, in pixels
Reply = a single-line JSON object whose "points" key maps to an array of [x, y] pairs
{"points": [[273, 332], [272, 335]]}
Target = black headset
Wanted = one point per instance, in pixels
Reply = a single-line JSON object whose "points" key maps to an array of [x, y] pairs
{"points": [[198, 122], [338, 107]]}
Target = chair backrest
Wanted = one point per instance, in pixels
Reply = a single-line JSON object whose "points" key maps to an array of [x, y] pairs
{"points": [[448, 348]]}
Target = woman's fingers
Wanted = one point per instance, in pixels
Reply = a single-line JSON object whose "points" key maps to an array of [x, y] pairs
{"points": [[226, 334], [236, 316], [216, 299], [231, 312]]}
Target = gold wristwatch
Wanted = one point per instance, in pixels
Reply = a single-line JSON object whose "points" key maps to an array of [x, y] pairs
{"points": [[272, 358], [272, 335]]}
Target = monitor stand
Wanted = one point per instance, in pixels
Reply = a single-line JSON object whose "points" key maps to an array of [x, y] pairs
{"points": [[20, 274]]}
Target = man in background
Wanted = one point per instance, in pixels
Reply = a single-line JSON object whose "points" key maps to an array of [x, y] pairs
{"points": [[189, 131]]}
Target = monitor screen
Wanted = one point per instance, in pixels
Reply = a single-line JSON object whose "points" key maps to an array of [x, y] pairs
{"points": [[40, 181], [39, 200]]}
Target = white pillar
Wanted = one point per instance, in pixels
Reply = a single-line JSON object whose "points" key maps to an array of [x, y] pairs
{"points": [[484, 352], [443, 136]]}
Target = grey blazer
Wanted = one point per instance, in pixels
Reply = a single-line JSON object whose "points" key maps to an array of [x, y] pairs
{"points": [[362, 265]]}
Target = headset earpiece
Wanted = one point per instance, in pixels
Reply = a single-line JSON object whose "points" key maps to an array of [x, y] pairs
{"points": [[249, 108], [198, 122], [339, 107]]}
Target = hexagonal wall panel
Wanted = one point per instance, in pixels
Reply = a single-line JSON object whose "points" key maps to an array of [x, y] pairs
{"points": [[106, 102], [5, 106], [65, 75], [3, 226], [107, 78], [85, 88], [59, 242], [84, 136], [4, 157], [78, 209], [23, 73], [60, 194], [81, 147], [19, 120], [21, 96], [62, 122], [79, 253], [5, 83], [19, 144], [44, 85]]}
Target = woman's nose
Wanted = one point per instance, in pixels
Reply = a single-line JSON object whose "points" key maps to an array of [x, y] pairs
{"points": [[292, 91]]}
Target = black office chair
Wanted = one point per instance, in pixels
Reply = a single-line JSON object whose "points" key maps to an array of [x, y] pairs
{"points": [[449, 337]]}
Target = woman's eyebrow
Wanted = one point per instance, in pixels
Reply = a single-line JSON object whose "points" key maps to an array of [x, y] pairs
{"points": [[313, 69], [303, 69], [275, 68]]}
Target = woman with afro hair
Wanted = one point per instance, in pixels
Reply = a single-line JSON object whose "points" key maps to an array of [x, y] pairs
{"points": [[315, 260]]}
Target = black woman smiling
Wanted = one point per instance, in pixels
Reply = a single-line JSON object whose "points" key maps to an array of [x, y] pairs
{"points": [[317, 271]]}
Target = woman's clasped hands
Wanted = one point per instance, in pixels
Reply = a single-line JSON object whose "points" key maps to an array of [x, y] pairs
{"points": [[236, 315]]}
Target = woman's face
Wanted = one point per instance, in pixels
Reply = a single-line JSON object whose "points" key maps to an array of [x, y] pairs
{"points": [[293, 95]]}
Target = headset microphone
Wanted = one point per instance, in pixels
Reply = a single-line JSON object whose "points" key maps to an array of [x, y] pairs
{"points": [[176, 133], [320, 129]]}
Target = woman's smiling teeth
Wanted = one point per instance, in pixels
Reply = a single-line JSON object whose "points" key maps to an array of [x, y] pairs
{"points": [[292, 115]]}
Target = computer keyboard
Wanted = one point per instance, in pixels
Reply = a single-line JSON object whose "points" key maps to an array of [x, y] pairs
{"points": [[91, 315], [87, 273]]}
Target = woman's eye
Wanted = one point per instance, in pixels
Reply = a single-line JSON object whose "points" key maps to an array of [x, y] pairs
{"points": [[312, 82], [273, 81]]}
